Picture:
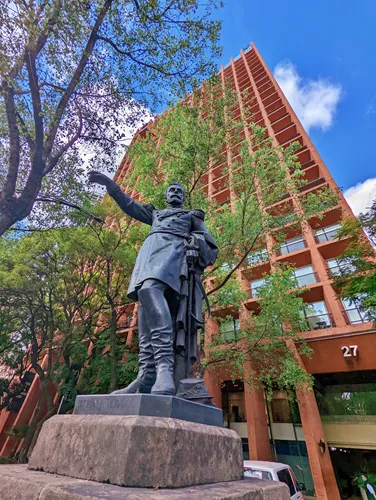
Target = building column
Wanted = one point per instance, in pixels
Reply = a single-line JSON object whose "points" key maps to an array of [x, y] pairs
{"points": [[213, 384], [318, 451], [257, 424]]}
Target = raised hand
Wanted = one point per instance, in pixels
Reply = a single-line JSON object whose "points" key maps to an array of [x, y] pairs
{"points": [[98, 178]]}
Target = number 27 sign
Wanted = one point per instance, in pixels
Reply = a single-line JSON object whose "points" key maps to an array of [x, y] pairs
{"points": [[350, 351]]}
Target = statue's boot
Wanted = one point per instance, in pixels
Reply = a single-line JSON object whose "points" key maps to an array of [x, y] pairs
{"points": [[146, 365], [158, 317]]}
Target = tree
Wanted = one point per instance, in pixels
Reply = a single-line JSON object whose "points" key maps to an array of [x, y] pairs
{"points": [[204, 136], [114, 254], [75, 73], [61, 292], [357, 280]]}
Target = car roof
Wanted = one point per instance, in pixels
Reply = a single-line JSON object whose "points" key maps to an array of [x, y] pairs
{"points": [[258, 464]]}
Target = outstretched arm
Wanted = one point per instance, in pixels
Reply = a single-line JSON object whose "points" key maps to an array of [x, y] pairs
{"points": [[126, 203]]}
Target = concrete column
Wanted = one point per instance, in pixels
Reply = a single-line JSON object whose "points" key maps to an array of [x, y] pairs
{"points": [[319, 459], [257, 424], [213, 384]]}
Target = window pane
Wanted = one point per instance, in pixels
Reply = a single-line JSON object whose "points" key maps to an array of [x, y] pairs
{"points": [[227, 326], [255, 284], [259, 256], [354, 316], [308, 279], [314, 308], [259, 474], [284, 477], [297, 245], [332, 263], [327, 233], [319, 321], [301, 271]]}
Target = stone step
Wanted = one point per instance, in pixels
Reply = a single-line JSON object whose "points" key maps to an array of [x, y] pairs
{"points": [[19, 483]]}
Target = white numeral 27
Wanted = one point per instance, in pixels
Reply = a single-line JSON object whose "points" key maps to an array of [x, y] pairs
{"points": [[349, 351]]}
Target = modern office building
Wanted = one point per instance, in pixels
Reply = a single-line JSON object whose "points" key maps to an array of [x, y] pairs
{"points": [[328, 434]]}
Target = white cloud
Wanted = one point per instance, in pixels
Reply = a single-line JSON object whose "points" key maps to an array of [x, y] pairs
{"points": [[361, 196], [314, 101]]}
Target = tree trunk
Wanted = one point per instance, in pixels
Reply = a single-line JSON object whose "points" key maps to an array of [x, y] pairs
{"points": [[113, 353], [6, 220], [36, 423], [12, 211]]}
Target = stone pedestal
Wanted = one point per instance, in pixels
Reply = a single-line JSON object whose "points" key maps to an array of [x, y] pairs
{"points": [[139, 457], [138, 451], [19, 483], [148, 405]]}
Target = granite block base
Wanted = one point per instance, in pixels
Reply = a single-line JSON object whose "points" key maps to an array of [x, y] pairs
{"points": [[146, 452], [19, 483], [148, 405]]}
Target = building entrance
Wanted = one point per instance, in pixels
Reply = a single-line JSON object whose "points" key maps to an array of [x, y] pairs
{"points": [[349, 466], [347, 405]]}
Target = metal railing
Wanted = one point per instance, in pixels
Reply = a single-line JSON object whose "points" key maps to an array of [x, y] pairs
{"points": [[318, 322], [253, 291], [355, 316], [326, 236], [311, 184], [307, 279], [257, 257], [282, 220], [292, 247]]}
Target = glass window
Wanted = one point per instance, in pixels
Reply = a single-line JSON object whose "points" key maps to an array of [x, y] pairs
{"points": [[305, 276], [338, 267], [354, 313], [316, 315], [228, 330], [255, 284], [292, 245], [327, 233], [280, 411], [284, 477], [348, 402], [258, 256], [314, 308], [260, 474]]}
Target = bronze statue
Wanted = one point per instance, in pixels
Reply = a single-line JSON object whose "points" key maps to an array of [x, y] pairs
{"points": [[166, 281]]}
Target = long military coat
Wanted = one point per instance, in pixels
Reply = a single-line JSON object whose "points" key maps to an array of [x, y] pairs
{"points": [[162, 254]]}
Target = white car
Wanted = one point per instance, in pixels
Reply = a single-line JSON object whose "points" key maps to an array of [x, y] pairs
{"points": [[277, 472]]}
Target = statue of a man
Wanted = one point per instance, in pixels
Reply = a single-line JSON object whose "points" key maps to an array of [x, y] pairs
{"points": [[160, 282]]}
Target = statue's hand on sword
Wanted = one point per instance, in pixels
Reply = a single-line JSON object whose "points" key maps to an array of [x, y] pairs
{"points": [[191, 250]]}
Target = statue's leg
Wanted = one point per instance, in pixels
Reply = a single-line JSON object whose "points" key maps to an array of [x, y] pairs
{"points": [[158, 317], [146, 365]]}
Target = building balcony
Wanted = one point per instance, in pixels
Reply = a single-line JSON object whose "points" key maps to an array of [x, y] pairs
{"points": [[354, 316], [307, 279], [312, 184], [292, 245], [328, 233], [282, 220], [257, 257], [318, 322]]}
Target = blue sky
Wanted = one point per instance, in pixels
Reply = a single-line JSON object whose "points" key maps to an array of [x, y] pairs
{"points": [[326, 46]]}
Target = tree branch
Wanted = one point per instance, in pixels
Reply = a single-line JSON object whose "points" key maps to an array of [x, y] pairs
{"points": [[53, 161], [14, 143], [236, 267], [134, 59], [75, 78]]}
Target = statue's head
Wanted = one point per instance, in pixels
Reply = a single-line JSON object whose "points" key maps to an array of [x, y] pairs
{"points": [[175, 195]]}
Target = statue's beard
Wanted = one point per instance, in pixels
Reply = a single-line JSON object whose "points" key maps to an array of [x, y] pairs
{"points": [[175, 202]]}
